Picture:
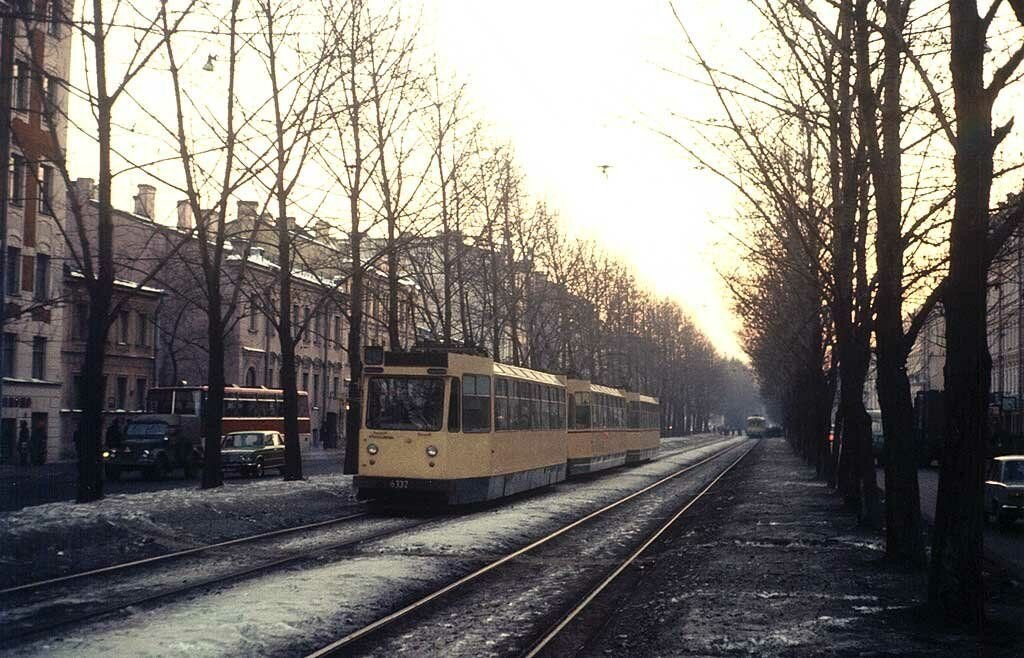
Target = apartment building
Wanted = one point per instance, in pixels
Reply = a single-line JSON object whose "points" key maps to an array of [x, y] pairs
{"points": [[33, 246]]}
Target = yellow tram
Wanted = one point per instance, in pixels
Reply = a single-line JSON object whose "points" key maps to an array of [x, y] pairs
{"points": [[644, 428], [447, 426], [597, 427]]}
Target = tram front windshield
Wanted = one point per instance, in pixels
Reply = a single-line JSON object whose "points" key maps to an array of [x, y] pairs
{"points": [[405, 403]]}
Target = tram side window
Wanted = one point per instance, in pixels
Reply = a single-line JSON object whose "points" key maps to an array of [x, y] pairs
{"points": [[476, 403], [521, 416], [535, 406], [561, 408], [582, 415], [501, 413], [453, 407], [545, 407]]}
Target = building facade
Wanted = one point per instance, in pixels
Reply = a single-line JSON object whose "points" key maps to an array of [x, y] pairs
{"points": [[33, 246], [130, 364]]}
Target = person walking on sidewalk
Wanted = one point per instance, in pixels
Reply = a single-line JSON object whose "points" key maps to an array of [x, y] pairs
{"points": [[114, 435]]}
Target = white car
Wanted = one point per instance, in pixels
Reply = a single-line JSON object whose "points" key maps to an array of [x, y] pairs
{"points": [[1004, 488]]}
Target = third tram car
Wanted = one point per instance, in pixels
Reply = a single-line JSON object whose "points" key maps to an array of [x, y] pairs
{"points": [[459, 428]]}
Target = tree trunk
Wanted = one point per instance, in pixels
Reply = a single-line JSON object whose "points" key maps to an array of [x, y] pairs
{"points": [[90, 466], [213, 409], [287, 335], [904, 530], [955, 588], [355, 358]]}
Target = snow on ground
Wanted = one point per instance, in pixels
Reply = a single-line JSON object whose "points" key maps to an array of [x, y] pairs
{"points": [[145, 504], [250, 617]]}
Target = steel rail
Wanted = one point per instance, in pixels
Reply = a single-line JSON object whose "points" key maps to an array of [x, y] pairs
{"points": [[176, 554], [375, 626], [551, 634], [199, 584], [230, 542]]}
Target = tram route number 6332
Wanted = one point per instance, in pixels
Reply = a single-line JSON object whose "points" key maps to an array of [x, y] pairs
{"points": [[398, 484]]}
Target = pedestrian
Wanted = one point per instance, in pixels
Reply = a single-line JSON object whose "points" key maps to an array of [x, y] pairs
{"points": [[114, 435], [24, 442]]}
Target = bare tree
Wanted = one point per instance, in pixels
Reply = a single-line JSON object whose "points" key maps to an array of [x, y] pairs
{"points": [[955, 583]]}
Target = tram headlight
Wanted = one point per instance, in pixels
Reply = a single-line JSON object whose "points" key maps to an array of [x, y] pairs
{"points": [[372, 448], [106, 454], [431, 451]]}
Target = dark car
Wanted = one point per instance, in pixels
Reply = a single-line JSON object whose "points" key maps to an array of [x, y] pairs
{"points": [[252, 453], [154, 446], [1004, 488]]}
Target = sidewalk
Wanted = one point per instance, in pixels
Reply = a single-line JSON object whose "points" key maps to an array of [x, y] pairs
{"points": [[769, 565], [23, 486]]}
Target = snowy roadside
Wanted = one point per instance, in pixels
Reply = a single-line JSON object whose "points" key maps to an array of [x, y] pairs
{"points": [[770, 565], [56, 538]]}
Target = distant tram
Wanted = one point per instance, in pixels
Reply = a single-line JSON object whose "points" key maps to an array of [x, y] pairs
{"points": [[756, 426], [459, 428]]}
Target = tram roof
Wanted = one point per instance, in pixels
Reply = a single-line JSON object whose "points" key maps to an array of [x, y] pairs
{"points": [[505, 370], [607, 390]]}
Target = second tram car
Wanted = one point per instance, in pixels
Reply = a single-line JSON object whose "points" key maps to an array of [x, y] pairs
{"points": [[459, 428], [597, 428]]}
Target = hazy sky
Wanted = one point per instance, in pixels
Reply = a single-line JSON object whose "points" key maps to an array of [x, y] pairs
{"points": [[575, 84]]}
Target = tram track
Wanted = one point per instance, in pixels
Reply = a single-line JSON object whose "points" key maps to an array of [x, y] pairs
{"points": [[95, 596], [359, 640], [34, 597]]}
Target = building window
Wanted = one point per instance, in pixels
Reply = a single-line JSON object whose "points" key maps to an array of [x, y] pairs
{"points": [[46, 189], [305, 324], [38, 357], [142, 330], [42, 282], [316, 388], [10, 352], [13, 268], [252, 315], [268, 378], [81, 326], [123, 338], [337, 331], [305, 382], [76, 391], [51, 97], [295, 319], [334, 384], [140, 394], [316, 332], [54, 16], [250, 377], [16, 191], [22, 86], [122, 393]]}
